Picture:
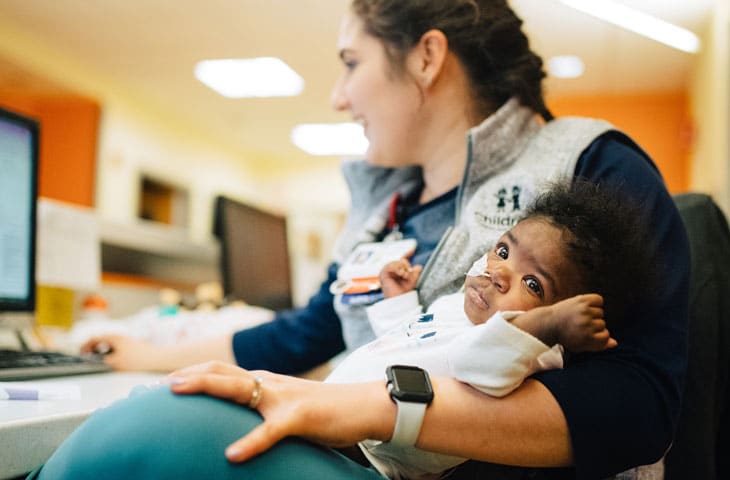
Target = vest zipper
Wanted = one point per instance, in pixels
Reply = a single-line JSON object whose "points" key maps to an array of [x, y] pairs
{"points": [[459, 198], [462, 187]]}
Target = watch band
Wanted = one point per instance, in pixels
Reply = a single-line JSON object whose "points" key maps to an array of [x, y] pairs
{"points": [[408, 422]]}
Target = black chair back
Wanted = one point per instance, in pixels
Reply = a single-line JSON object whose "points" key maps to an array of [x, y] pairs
{"points": [[701, 446]]}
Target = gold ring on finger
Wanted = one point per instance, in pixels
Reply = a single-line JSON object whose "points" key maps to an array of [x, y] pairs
{"points": [[256, 392]]}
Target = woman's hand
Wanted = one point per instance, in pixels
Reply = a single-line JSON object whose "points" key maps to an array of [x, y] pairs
{"points": [[122, 352], [127, 353], [328, 414]]}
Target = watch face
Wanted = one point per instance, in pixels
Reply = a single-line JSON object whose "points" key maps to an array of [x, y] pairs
{"points": [[409, 384]]}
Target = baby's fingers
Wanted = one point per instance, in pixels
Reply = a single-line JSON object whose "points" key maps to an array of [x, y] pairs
{"points": [[598, 324], [592, 299], [600, 340]]}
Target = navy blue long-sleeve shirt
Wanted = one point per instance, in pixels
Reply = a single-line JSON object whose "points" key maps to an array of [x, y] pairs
{"points": [[643, 375]]}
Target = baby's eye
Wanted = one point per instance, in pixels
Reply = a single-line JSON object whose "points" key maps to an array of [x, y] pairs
{"points": [[534, 285], [502, 251]]}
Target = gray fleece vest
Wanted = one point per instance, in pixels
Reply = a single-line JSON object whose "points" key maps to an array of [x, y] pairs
{"points": [[512, 157]]}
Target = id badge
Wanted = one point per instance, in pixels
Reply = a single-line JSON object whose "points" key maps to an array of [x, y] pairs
{"points": [[360, 273]]}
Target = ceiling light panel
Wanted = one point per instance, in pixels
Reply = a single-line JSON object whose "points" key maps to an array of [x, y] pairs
{"points": [[345, 139], [638, 22], [566, 66], [250, 77]]}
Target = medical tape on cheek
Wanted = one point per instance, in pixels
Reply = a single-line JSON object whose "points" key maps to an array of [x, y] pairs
{"points": [[479, 268]]}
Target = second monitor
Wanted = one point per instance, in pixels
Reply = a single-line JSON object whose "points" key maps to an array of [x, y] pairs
{"points": [[255, 264]]}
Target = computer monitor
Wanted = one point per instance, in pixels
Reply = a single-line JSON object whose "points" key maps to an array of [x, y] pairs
{"points": [[18, 182], [254, 254], [19, 138]]}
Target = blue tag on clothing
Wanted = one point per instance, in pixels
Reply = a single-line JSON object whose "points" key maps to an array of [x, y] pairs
{"points": [[362, 298]]}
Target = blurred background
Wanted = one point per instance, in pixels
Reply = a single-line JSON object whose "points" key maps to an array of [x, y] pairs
{"points": [[130, 133]]}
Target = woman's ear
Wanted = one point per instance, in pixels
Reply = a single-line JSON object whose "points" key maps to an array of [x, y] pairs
{"points": [[427, 58]]}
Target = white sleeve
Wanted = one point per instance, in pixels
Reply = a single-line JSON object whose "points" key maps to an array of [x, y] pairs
{"points": [[390, 312], [495, 357]]}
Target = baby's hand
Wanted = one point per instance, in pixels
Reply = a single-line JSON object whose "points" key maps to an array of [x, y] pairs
{"points": [[576, 323], [579, 324], [399, 277]]}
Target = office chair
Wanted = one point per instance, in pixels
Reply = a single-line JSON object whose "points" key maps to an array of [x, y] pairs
{"points": [[702, 440]]}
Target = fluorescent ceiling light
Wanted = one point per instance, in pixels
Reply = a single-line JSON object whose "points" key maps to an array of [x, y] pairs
{"points": [[639, 22], [330, 138], [250, 77], [566, 66]]}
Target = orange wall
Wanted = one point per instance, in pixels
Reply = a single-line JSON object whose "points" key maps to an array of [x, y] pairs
{"points": [[69, 127], [659, 123]]}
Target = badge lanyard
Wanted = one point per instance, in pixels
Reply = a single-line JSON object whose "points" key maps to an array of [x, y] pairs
{"points": [[392, 225]]}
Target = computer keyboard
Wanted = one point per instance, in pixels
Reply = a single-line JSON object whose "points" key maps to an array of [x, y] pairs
{"points": [[30, 365]]}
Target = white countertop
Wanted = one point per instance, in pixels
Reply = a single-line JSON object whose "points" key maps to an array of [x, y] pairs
{"points": [[31, 430]]}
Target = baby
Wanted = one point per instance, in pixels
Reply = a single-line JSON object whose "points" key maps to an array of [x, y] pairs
{"points": [[546, 285]]}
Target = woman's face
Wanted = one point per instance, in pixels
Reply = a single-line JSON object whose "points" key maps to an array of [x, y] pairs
{"points": [[526, 268], [385, 102]]}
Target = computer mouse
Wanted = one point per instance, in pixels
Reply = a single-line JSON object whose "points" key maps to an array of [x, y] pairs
{"points": [[103, 348]]}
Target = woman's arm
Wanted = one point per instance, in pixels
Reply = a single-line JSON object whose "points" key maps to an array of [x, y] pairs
{"points": [[525, 428], [293, 342], [622, 405], [296, 340], [131, 354]]}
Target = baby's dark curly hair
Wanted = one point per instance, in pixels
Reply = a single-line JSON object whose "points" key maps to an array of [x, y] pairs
{"points": [[607, 237]]}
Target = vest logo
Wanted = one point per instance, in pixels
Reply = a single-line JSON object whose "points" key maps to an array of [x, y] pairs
{"points": [[505, 210], [502, 198]]}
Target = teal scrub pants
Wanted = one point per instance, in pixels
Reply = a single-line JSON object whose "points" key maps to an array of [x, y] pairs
{"points": [[155, 434]]}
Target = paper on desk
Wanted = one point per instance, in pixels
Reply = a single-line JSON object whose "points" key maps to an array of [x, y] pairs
{"points": [[158, 329], [39, 391], [68, 246]]}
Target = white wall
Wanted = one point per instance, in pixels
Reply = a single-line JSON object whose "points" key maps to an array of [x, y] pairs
{"points": [[133, 144], [711, 110]]}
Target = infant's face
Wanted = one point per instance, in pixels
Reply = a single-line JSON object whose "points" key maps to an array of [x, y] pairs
{"points": [[526, 268]]}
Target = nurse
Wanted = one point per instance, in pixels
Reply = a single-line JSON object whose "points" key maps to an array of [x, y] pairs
{"points": [[449, 94]]}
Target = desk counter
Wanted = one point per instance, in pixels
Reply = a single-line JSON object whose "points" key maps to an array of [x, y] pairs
{"points": [[31, 430]]}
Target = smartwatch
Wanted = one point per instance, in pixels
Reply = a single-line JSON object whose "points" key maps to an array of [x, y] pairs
{"points": [[410, 389]]}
